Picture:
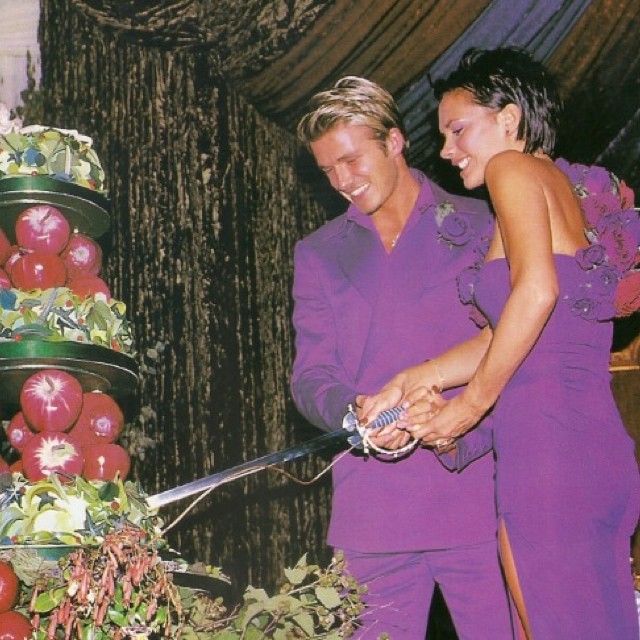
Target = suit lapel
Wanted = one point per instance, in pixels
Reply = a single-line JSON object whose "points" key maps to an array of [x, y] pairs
{"points": [[359, 257]]}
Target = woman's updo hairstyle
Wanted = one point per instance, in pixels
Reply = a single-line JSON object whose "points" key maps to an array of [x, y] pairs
{"points": [[507, 75]]}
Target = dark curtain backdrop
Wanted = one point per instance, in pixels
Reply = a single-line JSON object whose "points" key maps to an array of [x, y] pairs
{"points": [[206, 209]]}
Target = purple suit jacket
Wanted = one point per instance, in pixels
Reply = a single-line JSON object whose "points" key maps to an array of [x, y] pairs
{"points": [[360, 316]]}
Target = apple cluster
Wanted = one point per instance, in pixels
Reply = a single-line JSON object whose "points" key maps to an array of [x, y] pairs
{"points": [[47, 254], [61, 429]]}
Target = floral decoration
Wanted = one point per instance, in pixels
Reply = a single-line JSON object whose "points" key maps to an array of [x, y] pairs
{"points": [[57, 153], [480, 239], [456, 228], [60, 315], [79, 512], [89, 557], [611, 287]]}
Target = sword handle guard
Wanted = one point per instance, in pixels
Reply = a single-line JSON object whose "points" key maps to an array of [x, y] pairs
{"points": [[351, 423]]}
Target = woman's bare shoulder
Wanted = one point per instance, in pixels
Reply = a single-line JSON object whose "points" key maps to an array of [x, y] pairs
{"points": [[515, 172], [513, 162]]}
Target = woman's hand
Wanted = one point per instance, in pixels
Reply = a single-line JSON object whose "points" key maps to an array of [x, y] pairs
{"points": [[415, 379], [420, 406], [390, 396], [390, 437], [450, 421]]}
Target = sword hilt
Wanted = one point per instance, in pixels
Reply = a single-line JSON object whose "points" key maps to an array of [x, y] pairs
{"points": [[350, 421], [361, 439]]}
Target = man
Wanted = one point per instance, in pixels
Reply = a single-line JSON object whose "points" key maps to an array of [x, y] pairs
{"points": [[374, 292]]}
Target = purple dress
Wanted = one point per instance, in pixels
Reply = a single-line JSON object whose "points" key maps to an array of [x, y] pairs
{"points": [[566, 477]]}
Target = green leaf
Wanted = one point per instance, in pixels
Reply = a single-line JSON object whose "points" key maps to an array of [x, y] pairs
{"points": [[253, 633], [48, 600], [187, 597], [305, 621], [284, 633], [255, 595], [8, 516], [118, 618], [328, 596], [162, 615], [16, 141], [252, 612], [103, 310], [109, 491], [67, 538], [285, 603], [96, 320], [226, 635], [118, 596], [295, 576]]}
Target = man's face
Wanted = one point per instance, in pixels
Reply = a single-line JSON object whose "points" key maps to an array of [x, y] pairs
{"points": [[363, 169]]}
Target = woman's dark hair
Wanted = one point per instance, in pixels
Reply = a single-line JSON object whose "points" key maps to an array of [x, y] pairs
{"points": [[507, 75]]}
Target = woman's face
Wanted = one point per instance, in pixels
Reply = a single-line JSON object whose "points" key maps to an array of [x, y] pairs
{"points": [[473, 134]]}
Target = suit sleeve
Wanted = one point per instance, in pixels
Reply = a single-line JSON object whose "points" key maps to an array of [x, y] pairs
{"points": [[473, 445], [318, 383]]}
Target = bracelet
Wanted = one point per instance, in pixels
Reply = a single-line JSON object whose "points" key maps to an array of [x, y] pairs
{"points": [[440, 386]]}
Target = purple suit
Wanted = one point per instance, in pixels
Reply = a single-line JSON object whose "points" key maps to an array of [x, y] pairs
{"points": [[361, 315]]}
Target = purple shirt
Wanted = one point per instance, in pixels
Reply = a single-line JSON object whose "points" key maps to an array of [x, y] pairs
{"points": [[361, 315]]}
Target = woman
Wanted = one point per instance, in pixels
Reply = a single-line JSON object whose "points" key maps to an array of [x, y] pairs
{"points": [[566, 479]]}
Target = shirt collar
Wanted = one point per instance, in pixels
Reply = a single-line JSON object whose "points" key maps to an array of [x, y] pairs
{"points": [[424, 202]]}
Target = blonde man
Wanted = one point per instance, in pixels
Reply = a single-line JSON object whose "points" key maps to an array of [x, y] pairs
{"points": [[375, 292]]}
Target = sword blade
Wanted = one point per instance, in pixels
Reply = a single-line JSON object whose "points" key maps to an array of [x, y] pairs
{"points": [[248, 468]]}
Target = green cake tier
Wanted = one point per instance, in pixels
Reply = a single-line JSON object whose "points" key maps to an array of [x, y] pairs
{"points": [[96, 368], [85, 209]]}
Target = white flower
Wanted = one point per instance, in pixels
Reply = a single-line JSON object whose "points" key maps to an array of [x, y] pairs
{"points": [[66, 516]]}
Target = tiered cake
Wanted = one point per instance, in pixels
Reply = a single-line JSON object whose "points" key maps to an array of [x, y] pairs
{"points": [[55, 310]]}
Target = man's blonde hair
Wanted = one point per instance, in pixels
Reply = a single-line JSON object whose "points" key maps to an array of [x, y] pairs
{"points": [[351, 100]]}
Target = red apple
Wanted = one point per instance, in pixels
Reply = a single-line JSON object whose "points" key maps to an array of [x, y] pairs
{"points": [[42, 228], [18, 432], [9, 588], [87, 286], [38, 271], [14, 626], [5, 247], [51, 400], [103, 461], [5, 282], [4, 466], [82, 256], [15, 254], [48, 453], [100, 419]]}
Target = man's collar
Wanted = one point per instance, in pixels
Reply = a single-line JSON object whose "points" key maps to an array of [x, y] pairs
{"points": [[427, 196]]}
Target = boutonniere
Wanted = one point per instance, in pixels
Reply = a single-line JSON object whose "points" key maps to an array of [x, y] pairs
{"points": [[455, 228]]}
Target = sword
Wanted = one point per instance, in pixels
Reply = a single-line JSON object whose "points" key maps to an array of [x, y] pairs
{"points": [[349, 433]]}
